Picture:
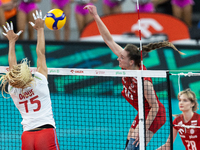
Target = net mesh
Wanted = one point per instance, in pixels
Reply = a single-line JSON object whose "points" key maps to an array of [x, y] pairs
{"points": [[90, 112]]}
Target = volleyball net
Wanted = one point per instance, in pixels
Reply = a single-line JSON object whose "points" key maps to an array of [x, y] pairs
{"points": [[90, 111]]}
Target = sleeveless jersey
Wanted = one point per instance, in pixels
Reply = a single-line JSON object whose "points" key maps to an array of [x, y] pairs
{"points": [[130, 92], [34, 104], [189, 136]]}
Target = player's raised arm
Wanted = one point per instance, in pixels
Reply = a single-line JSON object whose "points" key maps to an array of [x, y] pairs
{"points": [[104, 31], [40, 49], [12, 38]]}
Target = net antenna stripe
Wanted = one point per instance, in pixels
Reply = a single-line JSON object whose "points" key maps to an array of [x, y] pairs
{"points": [[140, 35]]}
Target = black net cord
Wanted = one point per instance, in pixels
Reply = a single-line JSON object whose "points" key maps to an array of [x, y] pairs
{"points": [[170, 110]]}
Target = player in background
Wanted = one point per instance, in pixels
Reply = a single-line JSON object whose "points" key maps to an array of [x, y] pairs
{"points": [[2, 18], [186, 124], [64, 5], [82, 16], [129, 59], [31, 94], [112, 6], [24, 15]]}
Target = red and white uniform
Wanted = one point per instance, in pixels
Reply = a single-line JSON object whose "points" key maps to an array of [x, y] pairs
{"points": [[35, 104], [130, 93], [189, 136]]}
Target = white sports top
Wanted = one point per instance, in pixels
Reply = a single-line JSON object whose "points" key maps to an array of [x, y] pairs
{"points": [[35, 104]]}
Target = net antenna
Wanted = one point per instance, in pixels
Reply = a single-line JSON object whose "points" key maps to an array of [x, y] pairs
{"points": [[140, 93], [138, 11]]}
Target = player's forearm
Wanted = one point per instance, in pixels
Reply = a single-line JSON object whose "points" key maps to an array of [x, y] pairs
{"points": [[12, 55], [103, 29], [40, 41]]}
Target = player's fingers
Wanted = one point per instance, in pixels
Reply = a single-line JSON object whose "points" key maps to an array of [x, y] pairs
{"points": [[44, 17], [32, 24], [37, 14], [5, 28], [20, 32], [86, 7], [34, 16], [4, 34], [40, 14], [11, 25], [134, 142], [137, 144], [8, 26]]}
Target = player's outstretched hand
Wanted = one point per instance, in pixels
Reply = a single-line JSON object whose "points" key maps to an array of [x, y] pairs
{"points": [[92, 9], [11, 36], [39, 22]]}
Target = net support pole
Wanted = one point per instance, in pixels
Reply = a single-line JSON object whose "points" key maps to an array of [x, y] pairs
{"points": [[141, 111], [170, 110]]}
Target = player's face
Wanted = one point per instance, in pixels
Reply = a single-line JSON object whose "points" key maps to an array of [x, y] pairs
{"points": [[185, 104], [124, 61]]}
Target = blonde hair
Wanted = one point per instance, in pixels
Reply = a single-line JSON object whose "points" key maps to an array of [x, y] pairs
{"points": [[19, 76], [191, 96]]}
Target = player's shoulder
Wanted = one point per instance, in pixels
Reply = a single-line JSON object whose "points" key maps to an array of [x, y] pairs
{"points": [[40, 77]]}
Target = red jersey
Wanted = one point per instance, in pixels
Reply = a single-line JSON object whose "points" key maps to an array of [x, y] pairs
{"points": [[130, 92], [189, 136]]}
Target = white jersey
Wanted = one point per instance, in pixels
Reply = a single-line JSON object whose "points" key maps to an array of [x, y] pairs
{"points": [[35, 104]]}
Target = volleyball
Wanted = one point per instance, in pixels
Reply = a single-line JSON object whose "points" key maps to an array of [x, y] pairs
{"points": [[55, 19]]}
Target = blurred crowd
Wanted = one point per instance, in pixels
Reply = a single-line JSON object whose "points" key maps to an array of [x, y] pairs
{"points": [[20, 12]]}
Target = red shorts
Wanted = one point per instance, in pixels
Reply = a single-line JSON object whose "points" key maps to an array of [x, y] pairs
{"points": [[158, 122], [45, 139]]}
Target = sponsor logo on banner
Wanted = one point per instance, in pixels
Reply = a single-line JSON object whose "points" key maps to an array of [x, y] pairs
{"points": [[33, 70], [100, 72], [54, 71], [76, 71], [120, 73], [125, 26], [146, 24]]}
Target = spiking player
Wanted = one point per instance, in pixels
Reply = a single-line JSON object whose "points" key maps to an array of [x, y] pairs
{"points": [[130, 59]]}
